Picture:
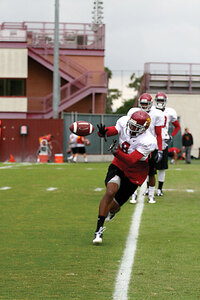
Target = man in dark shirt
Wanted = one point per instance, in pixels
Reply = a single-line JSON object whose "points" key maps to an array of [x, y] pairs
{"points": [[187, 142]]}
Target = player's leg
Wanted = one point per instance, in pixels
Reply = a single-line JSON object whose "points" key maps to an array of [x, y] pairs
{"points": [[112, 185], [162, 166]]}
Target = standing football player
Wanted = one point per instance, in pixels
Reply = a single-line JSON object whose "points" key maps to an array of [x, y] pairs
{"points": [[170, 117], [145, 102], [129, 167]]}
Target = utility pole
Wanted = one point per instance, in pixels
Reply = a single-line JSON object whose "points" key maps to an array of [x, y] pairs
{"points": [[56, 77]]}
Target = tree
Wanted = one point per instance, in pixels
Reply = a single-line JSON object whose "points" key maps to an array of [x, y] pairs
{"points": [[113, 94], [127, 104]]}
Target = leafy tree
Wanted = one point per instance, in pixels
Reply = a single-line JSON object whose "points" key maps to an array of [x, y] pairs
{"points": [[127, 104], [123, 109], [113, 94]]}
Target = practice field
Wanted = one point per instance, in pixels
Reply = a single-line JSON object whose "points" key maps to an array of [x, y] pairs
{"points": [[48, 215]]}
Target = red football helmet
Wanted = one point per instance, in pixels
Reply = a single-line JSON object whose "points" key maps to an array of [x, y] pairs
{"points": [[145, 102], [138, 123], [161, 101]]}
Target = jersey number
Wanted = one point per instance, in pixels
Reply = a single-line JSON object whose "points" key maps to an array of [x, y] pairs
{"points": [[125, 147], [165, 122]]}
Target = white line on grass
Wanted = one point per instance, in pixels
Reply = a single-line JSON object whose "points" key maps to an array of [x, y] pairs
{"points": [[4, 188], [124, 273], [50, 189], [179, 190]]}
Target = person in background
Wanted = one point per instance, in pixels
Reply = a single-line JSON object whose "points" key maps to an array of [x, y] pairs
{"points": [[173, 153], [187, 142], [170, 116], [72, 147], [145, 103], [81, 143]]}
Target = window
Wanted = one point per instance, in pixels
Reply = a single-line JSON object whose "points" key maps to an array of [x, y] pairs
{"points": [[12, 87]]}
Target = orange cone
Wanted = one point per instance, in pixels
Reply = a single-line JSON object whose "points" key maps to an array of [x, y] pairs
{"points": [[11, 158]]}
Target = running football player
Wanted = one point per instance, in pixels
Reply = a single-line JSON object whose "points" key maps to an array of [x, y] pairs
{"points": [[129, 167]]}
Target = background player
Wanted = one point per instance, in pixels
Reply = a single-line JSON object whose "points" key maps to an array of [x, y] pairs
{"points": [[170, 116], [145, 102]]}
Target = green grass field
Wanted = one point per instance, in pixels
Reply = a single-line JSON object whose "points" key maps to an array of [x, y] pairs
{"points": [[46, 249]]}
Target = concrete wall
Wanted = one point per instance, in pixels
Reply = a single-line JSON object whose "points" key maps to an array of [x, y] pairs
{"points": [[188, 109]]}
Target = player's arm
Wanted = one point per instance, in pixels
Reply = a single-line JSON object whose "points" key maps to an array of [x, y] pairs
{"points": [[106, 131], [176, 129], [158, 131], [129, 159]]}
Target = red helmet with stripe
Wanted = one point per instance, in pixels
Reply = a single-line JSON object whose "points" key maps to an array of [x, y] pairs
{"points": [[138, 123], [161, 101], [145, 102]]}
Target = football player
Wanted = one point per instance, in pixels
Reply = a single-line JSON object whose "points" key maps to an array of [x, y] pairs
{"points": [[129, 167], [145, 102], [170, 117]]}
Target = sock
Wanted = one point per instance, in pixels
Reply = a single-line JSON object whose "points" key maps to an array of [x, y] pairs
{"points": [[160, 185], [75, 158], [161, 179], [100, 222], [151, 191]]}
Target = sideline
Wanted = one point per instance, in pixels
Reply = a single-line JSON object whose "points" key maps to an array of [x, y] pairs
{"points": [[124, 273]]}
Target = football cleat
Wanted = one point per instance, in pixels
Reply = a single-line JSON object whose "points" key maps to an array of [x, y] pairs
{"points": [[98, 236], [133, 198], [109, 217], [151, 200], [159, 192], [146, 193]]}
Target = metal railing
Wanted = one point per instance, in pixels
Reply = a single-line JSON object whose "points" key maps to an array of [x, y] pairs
{"points": [[68, 91], [174, 72], [41, 35]]}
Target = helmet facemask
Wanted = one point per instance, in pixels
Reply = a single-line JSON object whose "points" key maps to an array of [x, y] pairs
{"points": [[161, 101], [134, 129], [145, 105]]}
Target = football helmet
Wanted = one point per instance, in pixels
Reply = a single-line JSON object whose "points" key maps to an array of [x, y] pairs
{"points": [[160, 100], [138, 123], [145, 102]]}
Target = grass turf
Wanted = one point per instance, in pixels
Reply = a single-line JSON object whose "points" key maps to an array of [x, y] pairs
{"points": [[46, 249]]}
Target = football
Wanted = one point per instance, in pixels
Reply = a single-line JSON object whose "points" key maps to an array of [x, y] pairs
{"points": [[81, 128]]}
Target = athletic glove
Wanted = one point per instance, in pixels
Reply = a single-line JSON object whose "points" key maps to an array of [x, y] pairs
{"points": [[113, 147], [158, 156], [169, 139], [102, 131]]}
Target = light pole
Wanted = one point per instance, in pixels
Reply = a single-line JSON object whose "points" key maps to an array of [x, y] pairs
{"points": [[56, 77]]}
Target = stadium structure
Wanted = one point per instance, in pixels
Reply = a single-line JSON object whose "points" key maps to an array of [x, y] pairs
{"points": [[27, 65], [181, 83]]}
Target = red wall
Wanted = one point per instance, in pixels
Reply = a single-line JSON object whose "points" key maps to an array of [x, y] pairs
{"points": [[11, 142]]}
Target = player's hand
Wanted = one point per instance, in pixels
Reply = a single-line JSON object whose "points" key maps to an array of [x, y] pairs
{"points": [[113, 147], [102, 131], [159, 156], [169, 140]]}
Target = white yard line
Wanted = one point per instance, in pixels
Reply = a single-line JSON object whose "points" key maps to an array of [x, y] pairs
{"points": [[4, 188], [50, 189], [179, 190], [124, 273]]}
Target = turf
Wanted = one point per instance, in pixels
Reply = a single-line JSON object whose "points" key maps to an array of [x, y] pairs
{"points": [[46, 249]]}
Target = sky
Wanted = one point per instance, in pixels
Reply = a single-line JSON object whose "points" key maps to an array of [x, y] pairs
{"points": [[137, 31]]}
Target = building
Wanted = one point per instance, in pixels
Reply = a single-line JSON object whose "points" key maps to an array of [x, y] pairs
{"points": [[181, 83], [26, 69]]}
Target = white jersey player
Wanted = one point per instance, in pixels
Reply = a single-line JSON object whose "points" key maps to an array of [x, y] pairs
{"points": [[129, 167], [170, 117], [157, 122]]}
